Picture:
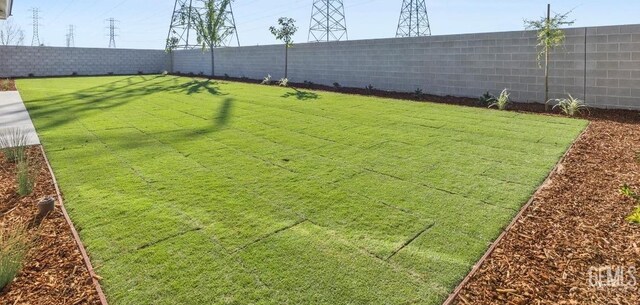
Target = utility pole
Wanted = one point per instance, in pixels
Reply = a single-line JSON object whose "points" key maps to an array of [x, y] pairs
{"points": [[182, 33], [112, 32], [414, 19], [35, 40], [328, 21], [70, 37]]}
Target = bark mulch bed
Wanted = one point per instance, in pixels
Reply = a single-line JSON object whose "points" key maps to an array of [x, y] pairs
{"points": [[54, 271], [7, 85], [576, 221]]}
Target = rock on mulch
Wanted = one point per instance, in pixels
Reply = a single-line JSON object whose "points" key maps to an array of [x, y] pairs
{"points": [[575, 226], [54, 271]]}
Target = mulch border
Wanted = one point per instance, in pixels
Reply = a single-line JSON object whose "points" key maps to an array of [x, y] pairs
{"points": [[452, 297], [74, 232]]}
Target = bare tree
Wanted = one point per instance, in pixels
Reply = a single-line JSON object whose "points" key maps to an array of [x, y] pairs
{"points": [[11, 34]]}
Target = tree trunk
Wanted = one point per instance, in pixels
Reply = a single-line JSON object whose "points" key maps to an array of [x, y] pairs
{"points": [[286, 60], [546, 80], [546, 61], [213, 64]]}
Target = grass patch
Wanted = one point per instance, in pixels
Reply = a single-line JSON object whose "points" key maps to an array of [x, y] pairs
{"points": [[193, 191]]}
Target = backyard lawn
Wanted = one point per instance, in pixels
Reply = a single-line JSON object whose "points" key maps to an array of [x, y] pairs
{"points": [[211, 192]]}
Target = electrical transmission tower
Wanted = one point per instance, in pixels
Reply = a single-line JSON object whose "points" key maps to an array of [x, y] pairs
{"points": [[112, 32], [414, 19], [35, 40], [328, 21], [70, 37], [182, 33]]}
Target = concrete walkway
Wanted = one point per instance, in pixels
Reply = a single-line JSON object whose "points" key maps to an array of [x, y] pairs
{"points": [[14, 115]]}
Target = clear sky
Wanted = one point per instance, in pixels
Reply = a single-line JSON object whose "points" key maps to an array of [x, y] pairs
{"points": [[144, 23]]}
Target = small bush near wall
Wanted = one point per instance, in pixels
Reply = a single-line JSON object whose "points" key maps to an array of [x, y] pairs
{"points": [[626, 191]]}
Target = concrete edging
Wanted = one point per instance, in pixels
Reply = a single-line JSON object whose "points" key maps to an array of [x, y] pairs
{"points": [[74, 232]]}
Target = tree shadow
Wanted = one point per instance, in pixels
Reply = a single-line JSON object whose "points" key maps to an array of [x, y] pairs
{"points": [[220, 120], [64, 108], [196, 86], [301, 95], [224, 113]]}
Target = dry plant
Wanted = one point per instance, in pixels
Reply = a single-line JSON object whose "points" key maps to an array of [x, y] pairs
{"points": [[13, 143], [14, 245]]}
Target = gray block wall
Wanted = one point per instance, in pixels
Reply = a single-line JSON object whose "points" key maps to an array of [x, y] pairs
{"points": [[459, 65], [20, 61]]}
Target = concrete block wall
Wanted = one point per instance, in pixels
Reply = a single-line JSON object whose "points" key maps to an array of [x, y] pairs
{"points": [[20, 61], [613, 66], [459, 65]]}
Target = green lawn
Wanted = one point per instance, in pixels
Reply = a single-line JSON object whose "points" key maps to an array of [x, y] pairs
{"points": [[195, 192]]}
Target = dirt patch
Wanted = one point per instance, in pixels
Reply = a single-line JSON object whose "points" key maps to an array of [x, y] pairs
{"points": [[538, 108], [7, 85], [575, 226], [54, 272]]}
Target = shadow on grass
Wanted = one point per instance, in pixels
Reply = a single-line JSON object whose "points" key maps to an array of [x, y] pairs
{"points": [[220, 120], [64, 108], [301, 95]]}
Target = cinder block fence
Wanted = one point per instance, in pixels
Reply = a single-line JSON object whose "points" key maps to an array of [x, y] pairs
{"points": [[21, 61], [598, 64]]}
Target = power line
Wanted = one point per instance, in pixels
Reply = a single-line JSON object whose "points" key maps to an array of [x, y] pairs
{"points": [[35, 40], [182, 34], [328, 21], [113, 8], [70, 37], [414, 19], [112, 32]]}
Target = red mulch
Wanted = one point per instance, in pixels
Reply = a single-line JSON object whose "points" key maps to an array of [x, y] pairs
{"points": [[54, 272], [7, 85], [576, 221]]}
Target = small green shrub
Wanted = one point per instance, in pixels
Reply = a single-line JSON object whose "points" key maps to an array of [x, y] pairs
{"points": [[283, 82], [337, 85], [14, 245], [267, 80], [570, 106], [486, 99], [635, 216], [13, 142], [309, 84], [26, 177], [638, 156], [626, 191], [418, 93], [502, 101], [369, 89]]}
